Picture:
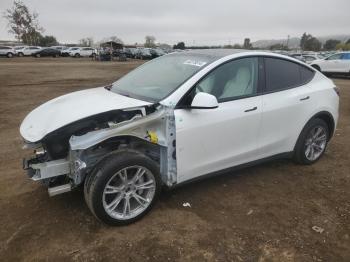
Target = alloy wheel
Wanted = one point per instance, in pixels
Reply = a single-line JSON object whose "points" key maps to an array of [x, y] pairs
{"points": [[129, 192], [315, 143]]}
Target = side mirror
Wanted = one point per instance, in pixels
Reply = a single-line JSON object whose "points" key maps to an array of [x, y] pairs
{"points": [[204, 101]]}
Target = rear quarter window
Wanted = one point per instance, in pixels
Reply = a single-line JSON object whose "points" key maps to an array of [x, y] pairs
{"points": [[306, 74], [283, 74]]}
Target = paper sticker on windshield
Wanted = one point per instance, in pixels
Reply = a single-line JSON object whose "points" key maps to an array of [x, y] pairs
{"points": [[194, 63]]}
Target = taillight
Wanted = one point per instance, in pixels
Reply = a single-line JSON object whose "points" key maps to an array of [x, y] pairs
{"points": [[337, 90]]}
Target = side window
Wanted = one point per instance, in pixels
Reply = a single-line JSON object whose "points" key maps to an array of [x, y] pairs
{"points": [[309, 58], [334, 57], [306, 74], [232, 80], [345, 56], [281, 74]]}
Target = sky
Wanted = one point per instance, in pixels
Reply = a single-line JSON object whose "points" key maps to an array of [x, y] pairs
{"points": [[196, 22]]}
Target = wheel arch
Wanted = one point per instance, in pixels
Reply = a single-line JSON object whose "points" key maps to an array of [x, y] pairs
{"points": [[317, 67], [328, 118], [117, 143], [100, 152]]}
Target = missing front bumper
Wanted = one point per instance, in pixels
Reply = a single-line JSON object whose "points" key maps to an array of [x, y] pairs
{"points": [[44, 170]]}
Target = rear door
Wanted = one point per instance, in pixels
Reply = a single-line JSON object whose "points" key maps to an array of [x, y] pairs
{"points": [[285, 101]]}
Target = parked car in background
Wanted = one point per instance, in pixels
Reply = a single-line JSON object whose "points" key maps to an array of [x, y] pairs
{"points": [[156, 52], [178, 118], [83, 52], [298, 56], [143, 53], [130, 52], [66, 51], [28, 50], [17, 48], [335, 64], [59, 47], [47, 52], [309, 58], [7, 51]]}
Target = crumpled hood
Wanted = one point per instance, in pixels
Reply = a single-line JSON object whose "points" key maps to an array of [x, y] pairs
{"points": [[69, 108]]}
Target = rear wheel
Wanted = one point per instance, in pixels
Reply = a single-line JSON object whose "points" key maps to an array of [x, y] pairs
{"points": [[77, 55], [20, 54], [37, 55], [9, 55], [312, 142], [123, 187]]}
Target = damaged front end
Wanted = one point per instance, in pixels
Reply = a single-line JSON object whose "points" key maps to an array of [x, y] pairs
{"points": [[64, 157]]}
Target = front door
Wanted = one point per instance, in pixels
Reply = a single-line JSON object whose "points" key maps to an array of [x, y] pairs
{"points": [[209, 140]]}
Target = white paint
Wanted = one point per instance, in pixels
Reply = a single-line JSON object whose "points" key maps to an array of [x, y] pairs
{"points": [[207, 140], [69, 108]]}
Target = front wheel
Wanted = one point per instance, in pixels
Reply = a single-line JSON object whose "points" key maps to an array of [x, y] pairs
{"points": [[9, 55], [312, 142], [123, 187]]}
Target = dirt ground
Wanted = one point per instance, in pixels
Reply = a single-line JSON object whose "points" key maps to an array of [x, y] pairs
{"points": [[263, 213]]}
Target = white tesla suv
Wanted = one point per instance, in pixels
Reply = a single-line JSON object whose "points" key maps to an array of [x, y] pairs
{"points": [[175, 119], [335, 64]]}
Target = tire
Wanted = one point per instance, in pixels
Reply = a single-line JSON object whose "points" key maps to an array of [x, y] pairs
{"points": [[77, 55], [20, 54], [108, 189], [9, 55], [37, 55], [310, 147]]}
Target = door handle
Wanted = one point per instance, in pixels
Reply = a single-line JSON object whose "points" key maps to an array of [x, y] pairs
{"points": [[251, 109], [304, 98]]}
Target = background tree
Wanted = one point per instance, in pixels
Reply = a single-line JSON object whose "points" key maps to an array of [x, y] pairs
{"points": [[310, 43], [331, 44], [150, 41], [304, 38], [348, 42], [116, 39], [343, 47], [180, 45], [87, 41], [22, 23], [47, 40], [247, 44], [278, 47]]}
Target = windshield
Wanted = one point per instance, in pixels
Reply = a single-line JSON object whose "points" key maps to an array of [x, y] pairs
{"points": [[158, 78]]}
